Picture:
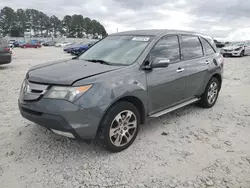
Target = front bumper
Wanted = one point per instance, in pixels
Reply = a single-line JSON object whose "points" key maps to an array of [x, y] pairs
{"points": [[233, 53], [63, 116]]}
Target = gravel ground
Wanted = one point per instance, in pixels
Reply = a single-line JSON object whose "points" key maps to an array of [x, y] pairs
{"points": [[199, 148]]}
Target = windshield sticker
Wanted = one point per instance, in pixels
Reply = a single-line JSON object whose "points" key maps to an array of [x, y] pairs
{"points": [[142, 39]]}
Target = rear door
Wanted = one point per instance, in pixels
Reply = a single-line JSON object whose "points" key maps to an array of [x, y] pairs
{"points": [[197, 63]]}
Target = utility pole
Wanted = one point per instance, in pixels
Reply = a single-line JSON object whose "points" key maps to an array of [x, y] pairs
{"points": [[116, 30]]}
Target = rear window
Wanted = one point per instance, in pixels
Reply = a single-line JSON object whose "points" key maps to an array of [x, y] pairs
{"points": [[207, 47], [191, 47]]}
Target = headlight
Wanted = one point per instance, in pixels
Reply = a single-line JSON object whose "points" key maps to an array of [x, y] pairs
{"points": [[66, 93], [237, 49]]}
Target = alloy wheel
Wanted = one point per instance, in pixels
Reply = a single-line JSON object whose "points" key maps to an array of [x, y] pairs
{"points": [[212, 93], [123, 128]]}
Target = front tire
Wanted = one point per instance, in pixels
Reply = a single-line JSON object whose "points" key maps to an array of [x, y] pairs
{"points": [[242, 53], [120, 126], [211, 93]]}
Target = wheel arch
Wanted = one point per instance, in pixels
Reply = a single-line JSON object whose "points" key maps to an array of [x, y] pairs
{"points": [[133, 100], [218, 77]]}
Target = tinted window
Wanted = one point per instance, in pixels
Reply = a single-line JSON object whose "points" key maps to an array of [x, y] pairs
{"points": [[207, 47], [191, 47], [167, 47]]}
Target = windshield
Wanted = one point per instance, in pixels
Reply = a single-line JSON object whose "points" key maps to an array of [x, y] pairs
{"points": [[123, 50], [236, 44]]}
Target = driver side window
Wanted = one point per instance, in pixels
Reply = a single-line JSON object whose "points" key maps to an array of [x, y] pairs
{"points": [[167, 48]]}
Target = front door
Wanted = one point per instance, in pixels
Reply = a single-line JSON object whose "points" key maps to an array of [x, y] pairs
{"points": [[166, 86]]}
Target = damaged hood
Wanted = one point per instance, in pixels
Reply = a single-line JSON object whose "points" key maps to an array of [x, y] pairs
{"points": [[66, 72]]}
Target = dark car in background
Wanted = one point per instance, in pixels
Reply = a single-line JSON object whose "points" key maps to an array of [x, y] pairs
{"points": [[82, 48], [5, 52], [120, 82], [71, 47], [49, 43], [13, 43], [219, 44]]}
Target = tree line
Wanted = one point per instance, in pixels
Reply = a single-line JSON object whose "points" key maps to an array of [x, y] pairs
{"points": [[17, 23]]}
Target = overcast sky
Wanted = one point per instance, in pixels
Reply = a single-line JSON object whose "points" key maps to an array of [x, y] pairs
{"points": [[227, 19]]}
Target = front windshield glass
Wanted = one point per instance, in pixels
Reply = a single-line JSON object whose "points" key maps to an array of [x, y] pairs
{"points": [[123, 50], [236, 44]]}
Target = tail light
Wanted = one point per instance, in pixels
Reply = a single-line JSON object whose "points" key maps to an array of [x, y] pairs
{"points": [[7, 50], [221, 60]]}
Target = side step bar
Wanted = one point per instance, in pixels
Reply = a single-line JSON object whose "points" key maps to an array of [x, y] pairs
{"points": [[158, 114]]}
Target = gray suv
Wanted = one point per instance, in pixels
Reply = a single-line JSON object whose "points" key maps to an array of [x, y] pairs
{"points": [[120, 82]]}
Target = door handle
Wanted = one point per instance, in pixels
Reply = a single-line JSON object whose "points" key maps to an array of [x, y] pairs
{"points": [[180, 70]]}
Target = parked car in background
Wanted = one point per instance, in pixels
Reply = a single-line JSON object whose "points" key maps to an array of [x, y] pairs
{"points": [[31, 44], [112, 88], [238, 49], [5, 52], [49, 43], [79, 50], [82, 48], [62, 44], [13, 43], [219, 44], [20, 43], [71, 47]]}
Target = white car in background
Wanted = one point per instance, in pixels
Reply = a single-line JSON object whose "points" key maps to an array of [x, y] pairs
{"points": [[62, 44], [238, 49]]}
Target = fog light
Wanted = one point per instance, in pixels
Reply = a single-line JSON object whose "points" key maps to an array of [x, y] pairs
{"points": [[66, 134]]}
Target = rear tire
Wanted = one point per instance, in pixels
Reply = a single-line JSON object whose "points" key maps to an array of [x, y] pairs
{"points": [[211, 93], [120, 126]]}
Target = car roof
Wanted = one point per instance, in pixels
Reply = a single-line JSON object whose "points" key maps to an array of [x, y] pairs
{"points": [[155, 32]]}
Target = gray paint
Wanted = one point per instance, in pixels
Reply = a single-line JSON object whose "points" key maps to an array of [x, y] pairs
{"points": [[157, 89]]}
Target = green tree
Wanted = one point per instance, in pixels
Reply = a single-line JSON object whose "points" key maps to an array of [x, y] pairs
{"points": [[66, 23], [56, 26], [77, 26], [7, 20], [33, 22], [87, 25], [21, 21], [39, 24], [43, 24]]}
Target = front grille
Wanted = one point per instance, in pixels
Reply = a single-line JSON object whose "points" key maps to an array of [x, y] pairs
{"points": [[33, 91]]}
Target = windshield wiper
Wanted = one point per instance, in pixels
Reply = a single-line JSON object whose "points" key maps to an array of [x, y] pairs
{"points": [[99, 61]]}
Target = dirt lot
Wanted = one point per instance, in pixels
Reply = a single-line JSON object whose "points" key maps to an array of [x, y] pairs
{"points": [[201, 148]]}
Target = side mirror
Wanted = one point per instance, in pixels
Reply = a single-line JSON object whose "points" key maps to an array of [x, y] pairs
{"points": [[160, 63]]}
